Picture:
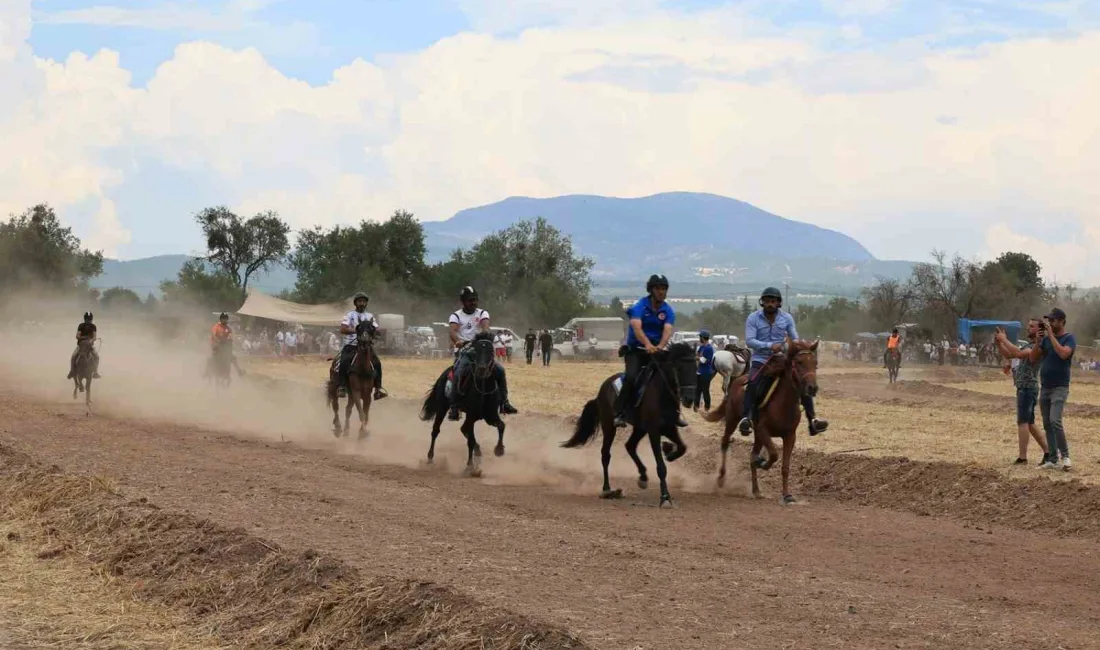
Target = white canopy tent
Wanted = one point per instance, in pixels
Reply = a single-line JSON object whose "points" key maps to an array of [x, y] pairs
{"points": [[261, 305]]}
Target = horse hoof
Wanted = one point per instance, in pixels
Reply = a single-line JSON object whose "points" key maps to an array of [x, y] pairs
{"points": [[666, 502], [498, 451], [760, 462], [721, 481], [363, 435], [757, 495], [643, 483], [473, 472], [788, 500], [611, 494]]}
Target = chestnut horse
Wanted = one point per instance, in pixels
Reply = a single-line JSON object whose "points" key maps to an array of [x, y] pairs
{"points": [[893, 363], [794, 373], [360, 384]]}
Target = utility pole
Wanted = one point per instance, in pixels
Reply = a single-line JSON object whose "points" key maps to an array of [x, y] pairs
{"points": [[790, 298]]}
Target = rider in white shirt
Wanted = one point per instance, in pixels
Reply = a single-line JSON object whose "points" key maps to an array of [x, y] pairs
{"points": [[347, 327], [465, 324]]}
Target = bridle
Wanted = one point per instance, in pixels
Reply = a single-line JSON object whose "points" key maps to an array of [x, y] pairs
{"points": [[797, 374]]}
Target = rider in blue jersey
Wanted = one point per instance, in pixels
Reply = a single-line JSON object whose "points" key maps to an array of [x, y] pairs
{"points": [[765, 332], [651, 321]]}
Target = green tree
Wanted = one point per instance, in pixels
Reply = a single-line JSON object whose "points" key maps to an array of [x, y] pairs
{"points": [[198, 284], [376, 257], [35, 249], [617, 307], [889, 303], [238, 248], [1026, 273], [528, 270], [120, 299]]}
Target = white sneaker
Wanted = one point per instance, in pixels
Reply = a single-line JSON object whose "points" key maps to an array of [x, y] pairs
{"points": [[1066, 464], [1050, 464]]}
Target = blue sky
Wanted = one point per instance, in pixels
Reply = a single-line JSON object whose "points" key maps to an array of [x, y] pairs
{"points": [[960, 124]]}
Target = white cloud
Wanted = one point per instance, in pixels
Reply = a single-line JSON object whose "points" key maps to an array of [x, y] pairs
{"points": [[622, 105], [859, 7], [1072, 260]]}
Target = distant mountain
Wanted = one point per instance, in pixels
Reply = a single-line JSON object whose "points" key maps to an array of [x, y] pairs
{"points": [[702, 237], [145, 275], [709, 244]]}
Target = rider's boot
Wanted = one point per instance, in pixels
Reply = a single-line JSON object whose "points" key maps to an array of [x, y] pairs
{"points": [[379, 392], [817, 425], [680, 421], [72, 367], [452, 413], [95, 370], [505, 406]]}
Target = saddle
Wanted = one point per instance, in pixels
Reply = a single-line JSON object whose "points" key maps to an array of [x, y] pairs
{"points": [[639, 385]]}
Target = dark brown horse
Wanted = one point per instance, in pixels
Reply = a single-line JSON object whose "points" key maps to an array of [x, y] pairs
{"points": [[893, 363], [794, 373], [479, 399], [669, 378], [360, 384], [85, 371]]}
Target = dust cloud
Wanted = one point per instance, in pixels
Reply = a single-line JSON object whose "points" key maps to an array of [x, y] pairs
{"points": [[150, 377]]}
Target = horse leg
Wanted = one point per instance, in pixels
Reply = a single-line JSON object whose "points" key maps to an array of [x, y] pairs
{"points": [[364, 409], [632, 451], [754, 456], [498, 451], [334, 401], [353, 403], [725, 452], [788, 451], [88, 397], [662, 471], [605, 459], [76, 385], [440, 413], [473, 458], [675, 449]]}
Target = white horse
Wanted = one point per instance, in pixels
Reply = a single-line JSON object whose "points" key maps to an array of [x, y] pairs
{"points": [[729, 365]]}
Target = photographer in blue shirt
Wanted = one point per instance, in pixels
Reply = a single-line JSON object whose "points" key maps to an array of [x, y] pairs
{"points": [[765, 332], [1055, 350]]}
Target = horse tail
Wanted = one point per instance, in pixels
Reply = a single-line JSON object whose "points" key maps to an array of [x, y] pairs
{"points": [[719, 413], [430, 408], [586, 426]]}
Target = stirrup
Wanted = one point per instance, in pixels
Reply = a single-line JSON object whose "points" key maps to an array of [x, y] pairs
{"points": [[380, 393], [745, 426], [681, 422], [452, 413], [620, 421]]}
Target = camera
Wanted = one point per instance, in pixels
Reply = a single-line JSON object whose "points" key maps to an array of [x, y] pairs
{"points": [[1042, 324]]}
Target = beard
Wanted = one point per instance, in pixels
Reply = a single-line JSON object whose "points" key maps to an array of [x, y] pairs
{"points": [[771, 311]]}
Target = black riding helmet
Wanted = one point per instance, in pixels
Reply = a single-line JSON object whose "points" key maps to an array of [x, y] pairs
{"points": [[467, 293], [771, 292], [358, 295], [656, 280], [87, 317], [223, 316]]}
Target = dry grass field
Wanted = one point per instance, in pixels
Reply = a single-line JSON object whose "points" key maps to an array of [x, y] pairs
{"points": [[929, 415]]}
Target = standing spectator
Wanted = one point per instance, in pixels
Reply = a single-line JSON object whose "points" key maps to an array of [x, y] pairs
{"points": [[508, 346], [290, 341], [333, 343], [529, 344], [499, 348], [280, 341], [546, 345], [1055, 350], [944, 347], [1025, 377], [705, 372]]}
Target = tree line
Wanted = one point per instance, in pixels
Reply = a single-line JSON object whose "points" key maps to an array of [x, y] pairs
{"points": [[528, 274]]}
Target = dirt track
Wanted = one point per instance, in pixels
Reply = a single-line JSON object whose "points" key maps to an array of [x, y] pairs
{"points": [[719, 572]]}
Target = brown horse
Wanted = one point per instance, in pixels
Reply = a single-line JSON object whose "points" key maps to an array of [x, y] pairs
{"points": [[671, 379], [893, 363], [360, 384], [85, 371], [795, 374]]}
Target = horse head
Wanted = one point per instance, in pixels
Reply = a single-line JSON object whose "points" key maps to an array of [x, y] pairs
{"points": [[364, 334], [682, 358], [484, 355], [802, 361]]}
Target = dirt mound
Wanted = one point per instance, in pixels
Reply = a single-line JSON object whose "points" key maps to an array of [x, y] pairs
{"points": [[972, 494], [245, 590]]}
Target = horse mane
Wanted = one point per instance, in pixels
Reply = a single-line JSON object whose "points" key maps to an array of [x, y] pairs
{"points": [[483, 336]]}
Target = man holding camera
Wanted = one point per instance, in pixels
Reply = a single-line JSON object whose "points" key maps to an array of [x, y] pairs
{"points": [[1054, 351]]}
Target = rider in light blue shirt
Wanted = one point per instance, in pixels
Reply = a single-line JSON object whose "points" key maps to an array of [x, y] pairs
{"points": [[766, 330]]}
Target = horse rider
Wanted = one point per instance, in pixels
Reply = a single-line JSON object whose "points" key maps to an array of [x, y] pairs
{"points": [[465, 324], [85, 331], [651, 321], [221, 334], [893, 343], [351, 345], [765, 332]]}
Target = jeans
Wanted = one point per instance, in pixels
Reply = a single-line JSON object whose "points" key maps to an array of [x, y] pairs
{"points": [[530, 352], [546, 357], [633, 361], [1052, 401], [702, 390]]}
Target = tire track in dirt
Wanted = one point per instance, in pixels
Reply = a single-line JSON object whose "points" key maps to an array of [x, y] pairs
{"points": [[720, 571]]}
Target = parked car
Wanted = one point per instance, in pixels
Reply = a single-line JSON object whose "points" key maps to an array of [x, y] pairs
{"points": [[609, 332], [514, 343], [691, 338]]}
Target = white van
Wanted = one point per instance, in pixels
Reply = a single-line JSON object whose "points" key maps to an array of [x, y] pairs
{"points": [[609, 332]]}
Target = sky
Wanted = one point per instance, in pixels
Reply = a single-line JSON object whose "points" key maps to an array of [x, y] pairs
{"points": [[964, 125]]}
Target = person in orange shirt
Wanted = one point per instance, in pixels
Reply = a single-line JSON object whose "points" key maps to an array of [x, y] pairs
{"points": [[893, 346], [221, 334]]}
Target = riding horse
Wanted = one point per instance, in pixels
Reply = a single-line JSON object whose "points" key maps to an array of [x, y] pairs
{"points": [[479, 400], [360, 383], [893, 363], [85, 370], [731, 362], [793, 374], [221, 364], [669, 377]]}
